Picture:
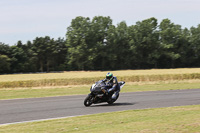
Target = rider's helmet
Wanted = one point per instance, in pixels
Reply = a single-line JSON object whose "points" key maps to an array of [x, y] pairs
{"points": [[109, 76]]}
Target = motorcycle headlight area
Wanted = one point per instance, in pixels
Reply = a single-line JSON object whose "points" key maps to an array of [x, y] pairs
{"points": [[93, 86]]}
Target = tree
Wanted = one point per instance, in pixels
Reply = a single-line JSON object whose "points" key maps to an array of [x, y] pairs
{"points": [[31, 58], [118, 46], [5, 64], [185, 49], [108, 55], [195, 44], [100, 27], [144, 41], [18, 59], [59, 55], [43, 48], [76, 43], [86, 42], [4, 49], [97, 44], [170, 35]]}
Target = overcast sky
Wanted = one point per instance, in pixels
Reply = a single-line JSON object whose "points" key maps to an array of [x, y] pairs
{"points": [[27, 19]]}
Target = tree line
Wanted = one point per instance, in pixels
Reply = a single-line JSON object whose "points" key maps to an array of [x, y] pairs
{"points": [[97, 44]]}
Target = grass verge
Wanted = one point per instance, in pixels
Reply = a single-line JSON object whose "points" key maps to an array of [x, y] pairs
{"points": [[184, 119], [13, 93], [95, 74], [88, 77]]}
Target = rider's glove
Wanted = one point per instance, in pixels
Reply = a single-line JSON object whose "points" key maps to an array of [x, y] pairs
{"points": [[105, 91]]}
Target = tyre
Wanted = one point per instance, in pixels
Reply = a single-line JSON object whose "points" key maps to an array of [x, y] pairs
{"points": [[111, 101], [88, 101]]}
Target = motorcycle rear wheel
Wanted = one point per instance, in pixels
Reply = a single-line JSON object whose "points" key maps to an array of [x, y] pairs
{"points": [[111, 101], [88, 101]]}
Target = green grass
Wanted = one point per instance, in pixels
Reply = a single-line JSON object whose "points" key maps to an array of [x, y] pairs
{"points": [[183, 119], [42, 92], [43, 85], [164, 120], [13, 93], [161, 86]]}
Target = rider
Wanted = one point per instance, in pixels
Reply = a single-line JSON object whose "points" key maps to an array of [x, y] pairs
{"points": [[111, 81]]}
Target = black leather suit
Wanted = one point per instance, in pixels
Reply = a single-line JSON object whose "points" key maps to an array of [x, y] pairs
{"points": [[113, 85]]}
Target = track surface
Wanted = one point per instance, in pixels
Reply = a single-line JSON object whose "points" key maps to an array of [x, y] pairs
{"points": [[21, 110]]}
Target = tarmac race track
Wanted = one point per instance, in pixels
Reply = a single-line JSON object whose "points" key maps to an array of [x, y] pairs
{"points": [[35, 109]]}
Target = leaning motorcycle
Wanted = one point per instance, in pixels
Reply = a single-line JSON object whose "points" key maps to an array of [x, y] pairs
{"points": [[99, 94]]}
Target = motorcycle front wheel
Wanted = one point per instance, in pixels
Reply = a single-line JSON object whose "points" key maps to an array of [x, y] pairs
{"points": [[88, 100]]}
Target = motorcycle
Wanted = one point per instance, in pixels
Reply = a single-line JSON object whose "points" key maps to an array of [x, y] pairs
{"points": [[99, 94]]}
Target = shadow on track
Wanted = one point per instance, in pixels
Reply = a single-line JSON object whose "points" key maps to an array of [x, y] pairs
{"points": [[114, 104]]}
